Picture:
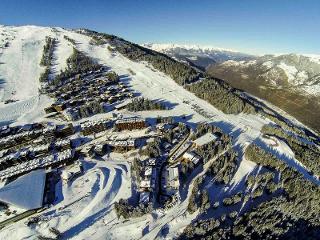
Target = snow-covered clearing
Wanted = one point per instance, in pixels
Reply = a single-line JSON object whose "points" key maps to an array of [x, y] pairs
{"points": [[282, 151], [244, 169]]}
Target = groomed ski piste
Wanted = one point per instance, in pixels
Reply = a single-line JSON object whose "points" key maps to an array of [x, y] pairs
{"points": [[84, 208]]}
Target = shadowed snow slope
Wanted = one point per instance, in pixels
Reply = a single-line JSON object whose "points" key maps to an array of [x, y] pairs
{"points": [[26, 192]]}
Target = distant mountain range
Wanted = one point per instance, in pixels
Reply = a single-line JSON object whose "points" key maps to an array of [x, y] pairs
{"points": [[289, 81], [288, 70], [299, 72], [201, 56], [137, 142]]}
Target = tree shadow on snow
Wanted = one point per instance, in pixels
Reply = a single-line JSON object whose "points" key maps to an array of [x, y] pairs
{"points": [[225, 126], [86, 223]]}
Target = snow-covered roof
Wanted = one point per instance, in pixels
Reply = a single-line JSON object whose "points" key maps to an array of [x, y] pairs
{"points": [[148, 171], [208, 137], [40, 147], [122, 143], [130, 120], [36, 163], [89, 124], [26, 192], [173, 173], [62, 142], [151, 162], [192, 157]]}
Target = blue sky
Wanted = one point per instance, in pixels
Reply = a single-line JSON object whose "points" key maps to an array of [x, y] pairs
{"points": [[271, 26]]}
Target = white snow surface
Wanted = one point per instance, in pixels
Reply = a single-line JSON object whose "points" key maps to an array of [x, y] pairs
{"points": [[85, 207], [245, 168], [312, 89], [20, 70], [26, 192], [268, 64], [160, 47], [313, 57], [290, 71], [231, 63]]}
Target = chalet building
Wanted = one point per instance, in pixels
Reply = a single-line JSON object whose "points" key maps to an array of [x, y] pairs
{"points": [[164, 127], [59, 107], [5, 131], [14, 141], [112, 99], [71, 114], [5, 152], [149, 172], [76, 102], [149, 180], [77, 77], [122, 145], [49, 133], [33, 126], [99, 149], [205, 139], [121, 106], [9, 160], [172, 180], [55, 160], [151, 162], [26, 154], [92, 127], [50, 109], [192, 157], [130, 123], [41, 149], [147, 184], [70, 173], [65, 130], [62, 144]]}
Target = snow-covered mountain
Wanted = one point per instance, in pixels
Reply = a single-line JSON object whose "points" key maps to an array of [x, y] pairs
{"points": [[212, 161], [289, 81], [287, 70], [198, 55], [300, 72]]}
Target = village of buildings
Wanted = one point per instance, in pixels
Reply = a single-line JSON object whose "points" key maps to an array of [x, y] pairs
{"points": [[35, 157]]}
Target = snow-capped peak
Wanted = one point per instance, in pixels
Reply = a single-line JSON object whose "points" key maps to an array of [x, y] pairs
{"points": [[196, 47]]}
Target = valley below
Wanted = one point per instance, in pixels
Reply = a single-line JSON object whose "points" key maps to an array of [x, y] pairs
{"points": [[101, 138]]}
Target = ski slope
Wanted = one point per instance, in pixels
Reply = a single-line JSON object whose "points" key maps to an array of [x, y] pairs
{"points": [[20, 70], [23, 85], [84, 208]]}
